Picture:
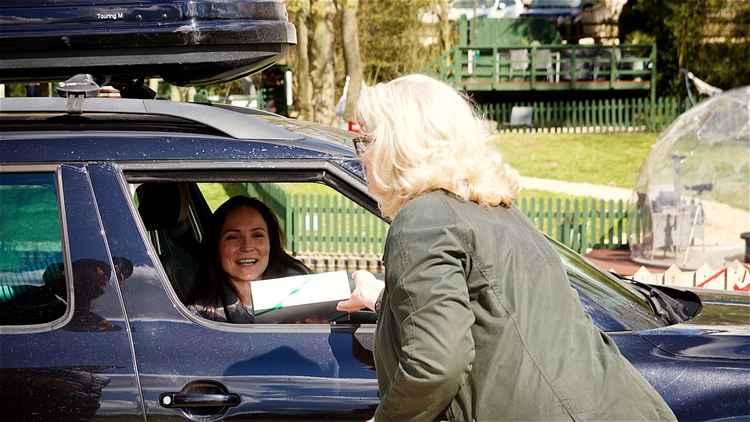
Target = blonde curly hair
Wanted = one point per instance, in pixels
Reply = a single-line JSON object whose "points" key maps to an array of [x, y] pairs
{"points": [[428, 137]]}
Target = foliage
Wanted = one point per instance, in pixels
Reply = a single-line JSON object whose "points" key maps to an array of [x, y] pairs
{"points": [[391, 35], [605, 159], [708, 37]]}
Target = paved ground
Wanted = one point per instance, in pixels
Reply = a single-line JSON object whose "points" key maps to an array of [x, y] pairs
{"points": [[723, 224], [573, 188]]}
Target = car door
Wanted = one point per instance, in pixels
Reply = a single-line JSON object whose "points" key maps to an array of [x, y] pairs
{"points": [[195, 369], [65, 351]]}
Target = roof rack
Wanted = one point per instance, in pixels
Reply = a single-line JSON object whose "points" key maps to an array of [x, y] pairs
{"points": [[231, 123]]}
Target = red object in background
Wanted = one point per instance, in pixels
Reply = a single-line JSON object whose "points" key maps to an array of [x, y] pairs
{"points": [[354, 126]]}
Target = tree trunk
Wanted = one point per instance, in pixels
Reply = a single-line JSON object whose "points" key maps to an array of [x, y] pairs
{"points": [[351, 56], [301, 9], [322, 13], [446, 31]]}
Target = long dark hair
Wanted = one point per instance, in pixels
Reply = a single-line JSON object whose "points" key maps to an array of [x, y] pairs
{"points": [[211, 274]]}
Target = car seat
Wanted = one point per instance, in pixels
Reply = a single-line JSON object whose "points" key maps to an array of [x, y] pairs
{"points": [[164, 210]]}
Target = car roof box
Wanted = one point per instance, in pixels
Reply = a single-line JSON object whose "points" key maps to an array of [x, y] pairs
{"points": [[185, 42]]}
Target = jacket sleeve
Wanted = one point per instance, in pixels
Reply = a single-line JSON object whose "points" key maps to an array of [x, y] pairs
{"points": [[429, 300]]}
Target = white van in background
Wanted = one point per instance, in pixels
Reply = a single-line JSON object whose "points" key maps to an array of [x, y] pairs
{"points": [[486, 8]]}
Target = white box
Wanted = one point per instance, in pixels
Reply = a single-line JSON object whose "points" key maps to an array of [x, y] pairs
{"points": [[297, 298]]}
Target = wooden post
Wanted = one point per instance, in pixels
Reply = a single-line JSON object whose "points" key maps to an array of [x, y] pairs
{"points": [[463, 32], [289, 222], [653, 84], [532, 64], [612, 67], [612, 222], [573, 70], [496, 67], [603, 221]]}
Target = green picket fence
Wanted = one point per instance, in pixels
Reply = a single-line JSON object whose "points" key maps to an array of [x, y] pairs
{"points": [[609, 113], [332, 224], [277, 200], [580, 223]]}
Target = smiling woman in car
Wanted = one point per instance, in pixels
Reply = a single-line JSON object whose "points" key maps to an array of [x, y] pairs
{"points": [[477, 320], [243, 245]]}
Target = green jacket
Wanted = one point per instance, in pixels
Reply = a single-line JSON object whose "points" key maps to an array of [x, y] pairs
{"points": [[478, 322]]}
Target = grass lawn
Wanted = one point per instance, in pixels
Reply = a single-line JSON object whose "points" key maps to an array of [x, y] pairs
{"points": [[532, 193], [612, 159]]}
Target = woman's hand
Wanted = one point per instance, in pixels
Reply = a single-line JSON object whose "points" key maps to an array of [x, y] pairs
{"points": [[366, 292]]}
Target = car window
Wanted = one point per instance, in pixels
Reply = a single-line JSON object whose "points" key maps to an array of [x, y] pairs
{"points": [[32, 277], [326, 234]]}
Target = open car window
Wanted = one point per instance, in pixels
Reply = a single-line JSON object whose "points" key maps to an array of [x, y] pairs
{"points": [[326, 232]]}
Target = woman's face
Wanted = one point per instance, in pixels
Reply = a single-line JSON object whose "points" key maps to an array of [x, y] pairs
{"points": [[244, 245]]}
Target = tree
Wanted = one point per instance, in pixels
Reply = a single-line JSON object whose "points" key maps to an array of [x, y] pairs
{"points": [[394, 37], [322, 13], [300, 10], [350, 40], [377, 40], [446, 29], [708, 37]]}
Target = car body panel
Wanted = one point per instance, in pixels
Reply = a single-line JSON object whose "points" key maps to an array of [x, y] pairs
{"points": [[720, 331], [295, 371], [695, 389], [152, 147], [85, 368]]}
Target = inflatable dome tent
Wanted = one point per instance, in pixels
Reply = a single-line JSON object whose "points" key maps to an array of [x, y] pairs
{"points": [[693, 193]]}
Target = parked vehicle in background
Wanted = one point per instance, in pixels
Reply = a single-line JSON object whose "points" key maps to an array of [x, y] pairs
{"points": [[486, 9], [575, 19]]}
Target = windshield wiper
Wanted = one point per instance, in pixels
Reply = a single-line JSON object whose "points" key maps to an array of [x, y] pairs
{"points": [[665, 307]]}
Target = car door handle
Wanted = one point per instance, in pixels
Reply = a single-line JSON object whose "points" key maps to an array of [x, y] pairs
{"points": [[194, 400]]}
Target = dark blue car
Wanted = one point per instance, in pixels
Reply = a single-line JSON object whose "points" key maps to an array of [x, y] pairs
{"points": [[103, 206], [93, 327]]}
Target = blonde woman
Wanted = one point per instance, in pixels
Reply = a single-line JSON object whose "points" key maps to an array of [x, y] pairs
{"points": [[476, 320]]}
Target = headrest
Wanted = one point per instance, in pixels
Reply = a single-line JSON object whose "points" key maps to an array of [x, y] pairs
{"points": [[159, 204]]}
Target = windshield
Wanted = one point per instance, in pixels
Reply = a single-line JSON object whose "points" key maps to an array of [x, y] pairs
{"points": [[554, 3], [612, 304], [470, 4]]}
